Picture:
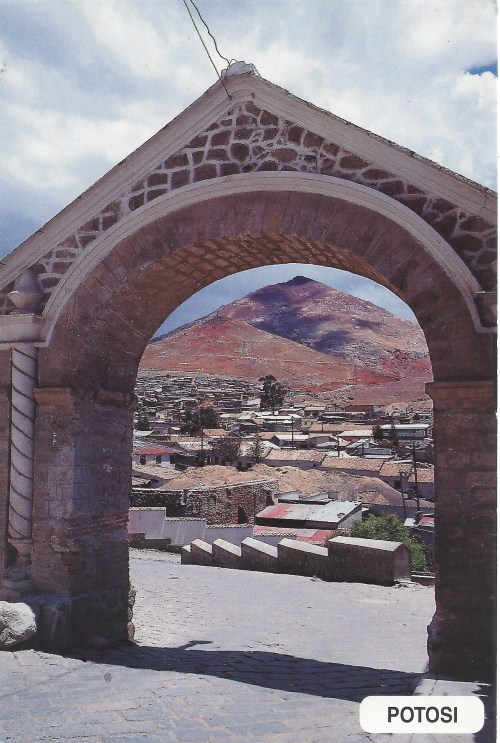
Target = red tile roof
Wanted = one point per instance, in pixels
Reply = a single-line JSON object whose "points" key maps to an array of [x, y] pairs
{"points": [[149, 450]]}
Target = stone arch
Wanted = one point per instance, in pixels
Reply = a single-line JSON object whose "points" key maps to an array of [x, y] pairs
{"points": [[119, 267], [170, 249], [152, 270]]}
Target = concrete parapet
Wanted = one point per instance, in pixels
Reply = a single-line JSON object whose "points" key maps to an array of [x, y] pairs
{"points": [[201, 552], [257, 555], [225, 554], [302, 558], [186, 554], [368, 560]]}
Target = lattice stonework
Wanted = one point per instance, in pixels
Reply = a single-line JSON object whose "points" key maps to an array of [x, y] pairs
{"points": [[248, 139]]}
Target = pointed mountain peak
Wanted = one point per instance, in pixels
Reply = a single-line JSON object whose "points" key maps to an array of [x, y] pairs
{"points": [[299, 281]]}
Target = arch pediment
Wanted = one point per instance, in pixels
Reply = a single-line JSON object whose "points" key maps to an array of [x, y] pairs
{"points": [[256, 127]]}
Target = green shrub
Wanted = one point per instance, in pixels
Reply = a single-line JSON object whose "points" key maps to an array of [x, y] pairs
{"points": [[390, 528]]}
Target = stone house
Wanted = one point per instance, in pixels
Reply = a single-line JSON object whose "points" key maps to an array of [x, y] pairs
{"points": [[235, 503], [352, 465], [401, 476], [291, 440], [304, 460], [408, 431], [163, 455]]}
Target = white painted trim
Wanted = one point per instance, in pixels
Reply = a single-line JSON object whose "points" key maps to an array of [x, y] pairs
{"points": [[209, 107], [121, 178], [205, 191], [387, 155]]}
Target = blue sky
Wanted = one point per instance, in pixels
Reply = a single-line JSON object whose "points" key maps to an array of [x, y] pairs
{"points": [[85, 82]]}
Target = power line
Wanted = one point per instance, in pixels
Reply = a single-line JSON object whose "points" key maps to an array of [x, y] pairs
{"points": [[210, 33], [204, 45]]}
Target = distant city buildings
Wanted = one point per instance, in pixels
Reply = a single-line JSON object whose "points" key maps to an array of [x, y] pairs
{"points": [[383, 459]]}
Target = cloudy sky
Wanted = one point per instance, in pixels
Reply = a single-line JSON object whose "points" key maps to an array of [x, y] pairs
{"points": [[85, 82]]}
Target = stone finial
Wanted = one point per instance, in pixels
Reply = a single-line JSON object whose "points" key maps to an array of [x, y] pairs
{"points": [[238, 68], [27, 293]]}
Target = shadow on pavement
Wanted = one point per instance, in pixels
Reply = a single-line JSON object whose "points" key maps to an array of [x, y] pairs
{"points": [[261, 668], [487, 694]]}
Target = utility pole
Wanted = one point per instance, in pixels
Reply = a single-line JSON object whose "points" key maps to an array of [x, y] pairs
{"points": [[416, 478], [402, 493], [202, 453]]}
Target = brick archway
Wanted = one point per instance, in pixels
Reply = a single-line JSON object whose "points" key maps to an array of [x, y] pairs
{"points": [[91, 316]]}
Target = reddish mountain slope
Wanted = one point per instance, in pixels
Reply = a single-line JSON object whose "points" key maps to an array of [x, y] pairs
{"points": [[310, 336], [338, 324], [226, 347]]}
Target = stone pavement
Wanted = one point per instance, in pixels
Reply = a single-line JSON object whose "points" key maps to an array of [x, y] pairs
{"points": [[230, 656]]}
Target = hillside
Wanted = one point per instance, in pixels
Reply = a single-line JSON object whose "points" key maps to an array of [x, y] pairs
{"points": [[310, 336], [227, 347], [332, 322]]}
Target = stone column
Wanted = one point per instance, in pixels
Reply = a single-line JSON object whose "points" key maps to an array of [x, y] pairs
{"points": [[80, 513], [462, 633], [24, 372], [5, 371], [26, 297], [17, 576]]}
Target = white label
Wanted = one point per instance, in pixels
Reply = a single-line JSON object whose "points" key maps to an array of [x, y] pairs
{"points": [[423, 714]]}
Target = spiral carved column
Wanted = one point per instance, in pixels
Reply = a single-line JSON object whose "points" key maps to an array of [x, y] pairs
{"points": [[24, 376]]}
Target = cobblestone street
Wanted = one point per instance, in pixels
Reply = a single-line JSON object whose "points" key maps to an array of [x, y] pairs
{"points": [[223, 655]]}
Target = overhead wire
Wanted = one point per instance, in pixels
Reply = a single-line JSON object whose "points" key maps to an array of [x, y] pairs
{"points": [[204, 45], [210, 33]]}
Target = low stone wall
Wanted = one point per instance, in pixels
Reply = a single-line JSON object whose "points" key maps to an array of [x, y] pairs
{"points": [[301, 558], [256, 555], [201, 552], [368, 560], [345, 559], [226, 555]]}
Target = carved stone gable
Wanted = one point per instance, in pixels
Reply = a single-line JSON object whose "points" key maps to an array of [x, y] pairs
{"points": [[250, 139]]}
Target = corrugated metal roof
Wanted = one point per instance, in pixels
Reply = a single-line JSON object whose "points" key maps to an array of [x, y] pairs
{"points": [[281, 510], [357, 434], [296, 455], [314, 536], [145, 450], [426, 521], [406, 426], [350, 464], [332, 511]]}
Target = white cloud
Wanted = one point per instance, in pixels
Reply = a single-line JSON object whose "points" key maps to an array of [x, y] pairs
{"points": [[125, 32]]}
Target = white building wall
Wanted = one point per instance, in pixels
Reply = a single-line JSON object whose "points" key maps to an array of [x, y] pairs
{"points": [[154, 525]]}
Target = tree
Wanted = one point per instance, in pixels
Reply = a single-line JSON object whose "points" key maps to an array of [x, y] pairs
{"points": [[257, 450], [143, 423], [390, 528], [197, 419], [272, 394], [229, 448], [393, 436], [377, 433]]}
